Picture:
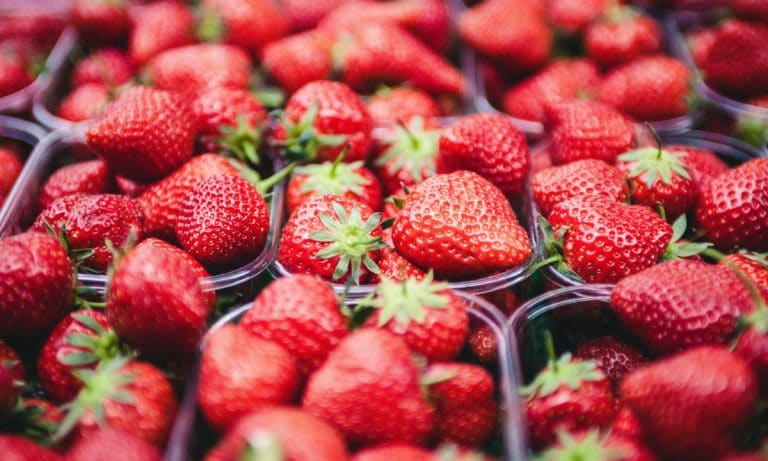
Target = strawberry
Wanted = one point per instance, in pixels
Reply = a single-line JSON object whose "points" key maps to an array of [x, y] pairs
{"points": [[700, 42], [593, 446], [351, 180], [85, 102], [126, 395], [159, 26], [556, 184], [13, 75], [10, 169], [699, 302], [648, 88], [750, 9], [702, 165], [36, 281], [733, 208], [299, 59], [626, 425], [306, 14], [102, 21], [290, 431], [736, 63], [368, 389], [394, 266], [752, 346], [251, 24], [90, 177], [460, 225], [156, 302], [11, 362], [613, 357], [144, 134], [560, 81], [464, 401], [309, 306], [620, 36], [332, 237], [586, 129], [751, 456], [400, 452], [115, 445], [321, 117], [407, 153], [754, 266], [240, 373], [130, 187], [431, 318], [40, 418], [80, 341], [707, 388], [16, 448], [10, 387], [568, 394], [575, 15], [90, 220], [108, 66], [483, 343], [390, 106], [489, 145]]}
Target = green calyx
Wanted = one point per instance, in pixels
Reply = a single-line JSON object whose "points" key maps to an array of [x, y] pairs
{"points": [[681, 249], [451, 452], [333, 178], [618, 14], [302, 140], [262, 446], [350, 239], [591, 447], [752, 130], [241, 141], [211, 27], [104, 345], [263, 186], [563, 371], [407, 300], [411, 146], [655, 164], [553, 249]]}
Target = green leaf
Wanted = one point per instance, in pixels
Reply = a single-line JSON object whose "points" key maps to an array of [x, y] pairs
{"points": [[77, 359]]}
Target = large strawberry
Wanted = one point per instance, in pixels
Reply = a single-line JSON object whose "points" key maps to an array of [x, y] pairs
{"points": [[368, 389], [594, 446], [736, 62], [251, 24], [701, 304], [407, 152], [390, 106], [491, 146], [298, 59], [15, 448], [613, 357], [90, 177], [104, 21], [108, 66], [620, 36], [706, 388], [159, 26], [85, 102], [702, 165], [352, 180], [115, 445], [240, 373], [460, 225], [144, 134]]}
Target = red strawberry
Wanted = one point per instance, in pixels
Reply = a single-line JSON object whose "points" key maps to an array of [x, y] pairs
{"points": [[699, 302], [556, 184], [91, 220], [115, 445], [407, 153], [648, 88], [130, 187], [394, 266], [752, 346], [240, 373], [699, 43], [40, 418], [320, 119], [13, 75], [90, 177], [463, 398], [750, 9], [156, 302], [306, 14], [104, 21], [36, 285], [483, 343], [301, 313], [10, 387], [733, 208], [592, 446], [613, 357], [626, 425], [290, 431], [703, 165], [460, 225], [10, 168], [332, 237], [400, 452], [251, 24], [489, 145], [159, 26], [299, 59], [351, 180], [706, 388], [368, 389], [108, 66], [390, 106], [144, 134], [16, 448], [10, 360], [620, 36], [80, 341], [750, 456], [586, 129], [737, 62], [560, 81], [575, 15], [569, 394], [754, 266], [85, 102]]}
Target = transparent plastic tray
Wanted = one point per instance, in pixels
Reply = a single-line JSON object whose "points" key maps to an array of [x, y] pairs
{"points": [[189, 421], [46, 102]]}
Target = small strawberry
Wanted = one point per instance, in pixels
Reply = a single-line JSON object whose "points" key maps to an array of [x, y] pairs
{"points": [[144, 134], [251, 24], [613, 357], [299, 59], [115, 445], [368, 389], [13, 75], [102, 21], [621, 35], [703, 165], [351, 180], [407, 153], [108, 66], [240, 373], [736, 63], [390, 106], [592, 446], [394, 266], [17, 448], [573, 16], [85, 102], [483, 343], [159, 26], [706, 388], [90, 177], [10, 169], [398, 451]]}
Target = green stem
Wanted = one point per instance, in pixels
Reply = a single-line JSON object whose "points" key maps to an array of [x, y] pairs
{"points": [[549, 344], [546, 262], [339, 159]]}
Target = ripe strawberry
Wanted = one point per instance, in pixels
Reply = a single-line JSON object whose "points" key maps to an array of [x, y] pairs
{"points": [[568, 394], [398, 451], [586, 129], [17, 448], [556, 184], [85, 102], [390, 106], [483, 343], [131, 188], [11, 362], [700, 302], [733, 208], [613, 357], [290, 431], [10, 387], [351, 180], [306, 14], [10, 168], [407, 153], [251, 24], [101, 21], [703, 165], [592, 446], [460, 225], [707, 388], [575, 15], [394, 266], [332, 237], [36, 281], [620, 36], [108, 66], [80, 341], [750, 456], [368, 389], [648, 88], [144, 134], [299, 59], [320, 119], [240, 373], [464, 401], [159, 26], [626, 425], [156, 302], [754, 266], [90, 177], [750, 9], [40, 418], [115, 445], [560, 81], [91, 220], [752, 346], [13, 75], [736, 63], [489, 145]]}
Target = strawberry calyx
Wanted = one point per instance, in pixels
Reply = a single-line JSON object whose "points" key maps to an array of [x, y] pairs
{"points": [[241, 141], [104, 345], [263, 186], [451, 452], [303, 140], [617, 14], [753, 131], [411, 146], [350, 239], [656, 164], [591, 447], [211, 27], [679, 248], [333, 178], [553, 249], [32, 422], [407, 300], [262, 446]]}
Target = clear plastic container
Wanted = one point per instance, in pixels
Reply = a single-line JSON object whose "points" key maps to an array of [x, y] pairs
{"points": [[233, 286], [730, 150], [46, 102], [188, 437]]}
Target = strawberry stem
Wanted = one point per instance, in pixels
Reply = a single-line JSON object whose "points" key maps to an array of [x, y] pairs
{"points": [[549, 345]]}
